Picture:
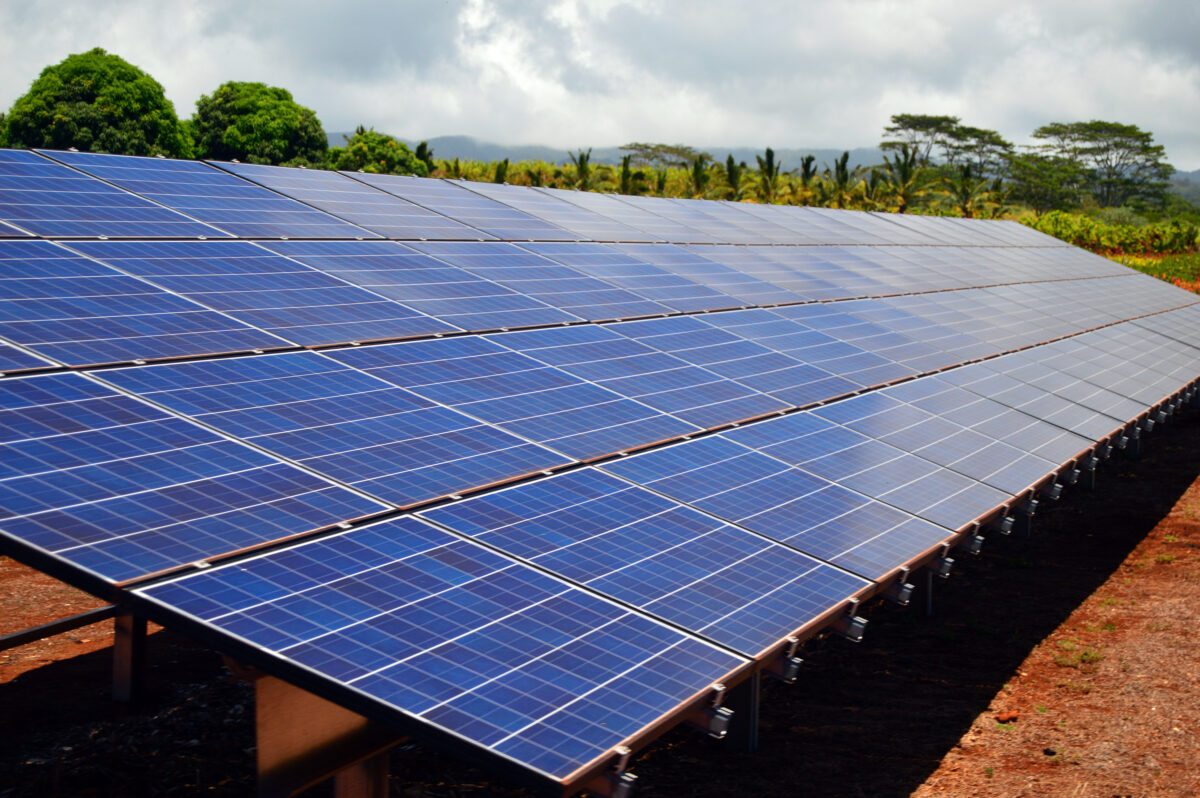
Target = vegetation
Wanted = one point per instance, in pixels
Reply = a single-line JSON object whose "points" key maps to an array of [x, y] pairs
{"points": [[257, 123], [96, 102], [1097, 184]]}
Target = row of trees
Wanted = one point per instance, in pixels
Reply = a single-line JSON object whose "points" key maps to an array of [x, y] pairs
{"points": [[97, 101]]}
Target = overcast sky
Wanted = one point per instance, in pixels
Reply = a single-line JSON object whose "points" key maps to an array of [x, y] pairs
{"points": [[579, 73]]}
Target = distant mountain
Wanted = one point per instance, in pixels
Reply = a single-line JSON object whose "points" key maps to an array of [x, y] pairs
{"points": [[1187, 185], [472, 149]]}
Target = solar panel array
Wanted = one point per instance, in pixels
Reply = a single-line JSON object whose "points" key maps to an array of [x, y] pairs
{"points": [[529, 470]]}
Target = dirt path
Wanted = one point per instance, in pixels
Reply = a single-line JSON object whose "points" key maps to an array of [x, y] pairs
{"points": [[1086, 631]]}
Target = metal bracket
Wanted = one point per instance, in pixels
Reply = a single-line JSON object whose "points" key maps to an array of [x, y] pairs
{"points": [[1029, 507], [973, 545], [1005, 525], [849, 625], [715, 719], [1054, 492], [900, 591]]}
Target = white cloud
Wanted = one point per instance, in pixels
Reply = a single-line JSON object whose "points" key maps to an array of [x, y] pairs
{"points": [[576, 73]]}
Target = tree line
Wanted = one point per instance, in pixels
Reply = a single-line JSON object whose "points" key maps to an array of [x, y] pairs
{"points": [[96, 101]]}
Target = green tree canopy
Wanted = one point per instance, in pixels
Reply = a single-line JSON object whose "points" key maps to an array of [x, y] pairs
{"points": [[1045, 182], [257, 123], [921, 133], [663, 155], [1121, 162], [379, 153], [97, 102]]}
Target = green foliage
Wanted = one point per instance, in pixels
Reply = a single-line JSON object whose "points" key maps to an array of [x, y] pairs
{"points": [[585, 177], [1082, 231], [768, 175], [920, 132], [424, 154], [257, 123], [96, 102], [699, 176], [501, 175], [966, 192], [662, 156], [378, 153], [906, 175], [1177, 269], [1120, 162], [1045, 182]]}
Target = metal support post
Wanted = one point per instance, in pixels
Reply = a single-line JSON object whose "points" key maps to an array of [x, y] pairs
{"points": [[129, 657], [365, 779], [743, 727], [928, 592]]}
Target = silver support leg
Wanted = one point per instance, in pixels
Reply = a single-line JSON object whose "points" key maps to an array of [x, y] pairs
{"points": [[743, 727], [929, 591], [129, 657]]}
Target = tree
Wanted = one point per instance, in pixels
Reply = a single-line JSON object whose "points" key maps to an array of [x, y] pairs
{"points": [[97, 102], [1121, 162], [1045, 182], [257, 123], [802, 188], [966, 190], [632, 181], [425, 155], [768, 175], [906, 177], [921, 132], [986, 150], [699, 176], [501, 175], [378, 153], [735, 176], [661, 156], [841, 183], [584, 176]]}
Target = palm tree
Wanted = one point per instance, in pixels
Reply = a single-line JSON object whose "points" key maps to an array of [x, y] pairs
{"points": [[501, 175], [841, 183], [584, 176], [907, 176], [699, 176], [968, 194], [802, 189], [768, 176], [735, 176]]}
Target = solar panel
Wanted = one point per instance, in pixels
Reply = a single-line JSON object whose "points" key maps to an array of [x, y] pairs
{"points": [[117, 489], [703, 228], [8, 231], [469, 208], [81, 312], [653, 226], [637, 371], [410, 624], [342, 423], [543, 279], [760, 228], [14, 359], [519, 394], [681, 261], [586, 224], [697, 341], [872, 468], [784, 503], [424, 283], [48, 199], [356, 202], [258, 287], [213, 196], [656, 555], [625, 271]]}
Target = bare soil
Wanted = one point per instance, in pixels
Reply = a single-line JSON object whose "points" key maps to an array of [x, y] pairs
{"points": [[1063, 664]]}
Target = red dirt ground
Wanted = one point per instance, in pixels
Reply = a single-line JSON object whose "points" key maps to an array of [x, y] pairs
{"points": [[1086, 631]]}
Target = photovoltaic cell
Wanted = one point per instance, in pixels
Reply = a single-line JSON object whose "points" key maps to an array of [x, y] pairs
{"points": [[637, 371], [356, 202], [260, 288], [120, 489], [457, 202], [48, 199], [81, 312], [656, 555], [213, 196], [653, 226], [528, 398], [584, 223], [686, 263], [549, 282], [427, 627], [342, 423], [784, 503], [873, 468], [13, 359]]}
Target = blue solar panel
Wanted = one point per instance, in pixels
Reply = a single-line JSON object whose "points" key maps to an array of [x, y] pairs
{"points": [[273, 293], [121, 489], [342, 423], [666, 288], [457, 202], [656, 555], [686, 263], [544, 280], [80, 312], [48, 199], [653, 226], [873, 468], [522, 395], [784, 503], [356, 202], [427, 626], [7, 230], [706, 228], [213, 196], [637, 371], [549, 208], [695, 340], [424, 283], [13, 360]]}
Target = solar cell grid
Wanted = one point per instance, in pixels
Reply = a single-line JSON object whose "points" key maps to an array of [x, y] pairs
{"points": [[218, 198], [633, 274], [524, 396], [14, 359], [761, 229], [637, 371], [119, 489], [48, 199], [80, 312], [273, 293], [706, 227], [586, 224], [656, 555], [784, 503], [429, 627], [653, 226], [342, 423], [356, 202], [456, 201], [547, 281], [686, 263]]}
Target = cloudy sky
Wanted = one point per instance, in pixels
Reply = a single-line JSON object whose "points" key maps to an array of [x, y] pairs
{"points": [[578, 73]]}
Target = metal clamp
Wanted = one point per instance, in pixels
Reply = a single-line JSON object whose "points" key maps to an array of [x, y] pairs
{"points": [[973, 545], [900, 591], [849, 625], [787, 669]]}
